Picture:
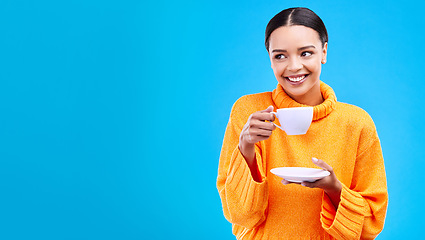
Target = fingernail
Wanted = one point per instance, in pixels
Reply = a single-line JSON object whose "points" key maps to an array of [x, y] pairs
{"points": [[315, 159]]}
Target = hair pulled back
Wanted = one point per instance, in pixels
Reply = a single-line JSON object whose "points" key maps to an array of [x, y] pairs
{"points": [[297, 16]]}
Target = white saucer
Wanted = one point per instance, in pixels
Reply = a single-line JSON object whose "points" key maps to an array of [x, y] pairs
{"points": [[300, 174]]}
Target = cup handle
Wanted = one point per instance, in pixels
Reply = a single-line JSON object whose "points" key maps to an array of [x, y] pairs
{"points": [[275, 114]]}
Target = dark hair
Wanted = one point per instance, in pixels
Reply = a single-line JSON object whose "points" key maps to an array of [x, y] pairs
{"points": [[297, 16]]}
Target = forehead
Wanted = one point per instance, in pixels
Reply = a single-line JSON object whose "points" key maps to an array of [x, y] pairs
{"points": [[288, 37]]}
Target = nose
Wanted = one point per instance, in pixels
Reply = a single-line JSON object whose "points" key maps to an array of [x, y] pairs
{"points": [[294, 65]]}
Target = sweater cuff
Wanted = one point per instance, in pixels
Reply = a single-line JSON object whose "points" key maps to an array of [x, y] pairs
{"points": [[347, 221], [249, 193]]}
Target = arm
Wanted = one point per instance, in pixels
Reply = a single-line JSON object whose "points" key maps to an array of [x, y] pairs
{"points": [[241, 183], [362, 208], [256, 129]]}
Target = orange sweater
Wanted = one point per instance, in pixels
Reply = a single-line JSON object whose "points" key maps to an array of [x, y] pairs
{"points": [[342, 135]]}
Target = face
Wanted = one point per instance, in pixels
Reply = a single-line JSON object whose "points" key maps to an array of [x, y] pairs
{"points": [[296, 55]]}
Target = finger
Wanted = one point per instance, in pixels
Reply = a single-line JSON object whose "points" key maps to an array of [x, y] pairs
{"points": [[311, 184], [269, 110], [262, 125], [263, 116], [285, 182], [252, 136], [258, 138], [322, 164], [263, 132]]}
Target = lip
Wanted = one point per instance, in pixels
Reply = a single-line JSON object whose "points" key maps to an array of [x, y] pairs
{"points": [[295, 76]]}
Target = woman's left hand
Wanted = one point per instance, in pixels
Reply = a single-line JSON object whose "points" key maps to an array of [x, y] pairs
{"points": [[330, 184]]}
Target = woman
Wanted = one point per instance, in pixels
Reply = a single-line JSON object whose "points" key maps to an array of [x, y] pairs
{"points": [[351, 202]]}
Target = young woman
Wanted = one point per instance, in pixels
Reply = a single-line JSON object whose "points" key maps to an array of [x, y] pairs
{"points": [[351, 202]]}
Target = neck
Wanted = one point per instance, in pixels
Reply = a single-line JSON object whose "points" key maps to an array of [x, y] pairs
{"points": [[312, 98]]}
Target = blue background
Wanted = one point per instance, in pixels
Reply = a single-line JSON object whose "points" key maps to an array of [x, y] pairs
{"points": [[112, 113]]}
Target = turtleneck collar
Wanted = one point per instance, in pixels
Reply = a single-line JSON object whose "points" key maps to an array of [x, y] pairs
{"points": [[282, 100]]}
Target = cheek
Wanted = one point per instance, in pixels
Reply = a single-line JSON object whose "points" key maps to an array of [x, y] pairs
{"points": [[314, 66], [277, 69]]}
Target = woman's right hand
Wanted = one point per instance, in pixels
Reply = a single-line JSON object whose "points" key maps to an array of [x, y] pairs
{"points": [[257, 128]]}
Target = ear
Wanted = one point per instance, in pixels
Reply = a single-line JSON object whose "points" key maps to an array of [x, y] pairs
{"points": [[324, 53]]}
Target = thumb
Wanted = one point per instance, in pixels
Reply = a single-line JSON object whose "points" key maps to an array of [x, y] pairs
{"points": [[322, 164]]}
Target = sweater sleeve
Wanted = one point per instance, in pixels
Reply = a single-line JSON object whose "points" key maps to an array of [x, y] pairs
{"points": [[244, 200], [362, 209]]}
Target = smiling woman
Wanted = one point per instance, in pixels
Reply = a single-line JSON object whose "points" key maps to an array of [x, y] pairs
{"points": [[296, 55], [348, 203]]}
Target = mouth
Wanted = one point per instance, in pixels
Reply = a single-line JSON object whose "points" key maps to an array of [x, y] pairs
{"points": [[296, 79]]}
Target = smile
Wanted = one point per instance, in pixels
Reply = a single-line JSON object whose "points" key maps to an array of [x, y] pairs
{"points": [[298, 79]]}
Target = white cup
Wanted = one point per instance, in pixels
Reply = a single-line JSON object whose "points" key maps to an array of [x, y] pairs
{"points": [[294, 121]]}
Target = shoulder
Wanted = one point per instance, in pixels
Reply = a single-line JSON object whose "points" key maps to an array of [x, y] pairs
{"points": [[355, 118], [353, 112], [257, 99], [248, 104]]}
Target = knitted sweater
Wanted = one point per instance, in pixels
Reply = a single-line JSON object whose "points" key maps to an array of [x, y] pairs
{"points": [[342, 135]]}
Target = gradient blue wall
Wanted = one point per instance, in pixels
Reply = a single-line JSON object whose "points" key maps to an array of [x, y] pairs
{"points": [[112, 113]]}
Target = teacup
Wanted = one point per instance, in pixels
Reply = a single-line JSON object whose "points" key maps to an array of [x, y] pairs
{"points": [[294, 121]]}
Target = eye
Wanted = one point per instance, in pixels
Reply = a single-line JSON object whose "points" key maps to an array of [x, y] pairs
{"points": [[306, 54], [279, 56]]}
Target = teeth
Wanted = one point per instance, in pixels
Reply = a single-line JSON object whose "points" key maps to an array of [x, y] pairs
{"points": [[297, 79]]}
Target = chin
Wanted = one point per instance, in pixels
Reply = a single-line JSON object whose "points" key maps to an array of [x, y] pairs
{"points": [[298, 91]]}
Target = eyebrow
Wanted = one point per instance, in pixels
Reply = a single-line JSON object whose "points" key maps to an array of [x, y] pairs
{"points": [[299, 49]]}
